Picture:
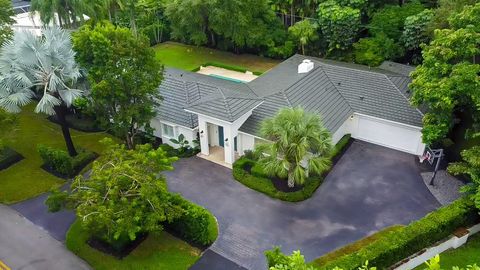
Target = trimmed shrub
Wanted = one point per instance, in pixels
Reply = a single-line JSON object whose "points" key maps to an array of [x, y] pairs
{"points": [[197, 224], [60, 162], [8, 157], [412, 238], [248, 172]]}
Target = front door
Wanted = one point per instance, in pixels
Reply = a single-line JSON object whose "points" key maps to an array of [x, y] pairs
{"points": [[220, 136]]}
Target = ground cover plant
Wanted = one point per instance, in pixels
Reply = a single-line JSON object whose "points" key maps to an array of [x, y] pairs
{"points": [[26, 179], [187, 57]]}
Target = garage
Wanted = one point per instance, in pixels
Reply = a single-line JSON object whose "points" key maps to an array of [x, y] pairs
{"points": [[390, 134]]}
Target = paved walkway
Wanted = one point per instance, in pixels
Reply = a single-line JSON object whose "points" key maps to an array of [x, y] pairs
{"points": [[25, 246], [56, 224], [370, 188]]}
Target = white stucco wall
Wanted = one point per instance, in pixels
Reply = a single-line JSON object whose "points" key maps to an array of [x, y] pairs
{"points": [[190, 134]]}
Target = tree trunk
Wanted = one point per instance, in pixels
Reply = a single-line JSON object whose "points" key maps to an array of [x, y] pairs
{"points": [[291, 180], [303, 49], [129, 141], [60, 112]]}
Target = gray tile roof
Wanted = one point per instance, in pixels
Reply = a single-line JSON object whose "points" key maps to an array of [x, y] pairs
{"points": [[334, 90], [398, 68]]}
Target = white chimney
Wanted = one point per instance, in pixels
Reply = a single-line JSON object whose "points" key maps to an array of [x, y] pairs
{"points": [[306, 66]]}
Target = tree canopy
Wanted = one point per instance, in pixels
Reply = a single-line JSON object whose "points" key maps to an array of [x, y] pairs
{"points": [[32, 66], [124, 195], [6, 12], [124, 77], [300, 145], [448, 79]]}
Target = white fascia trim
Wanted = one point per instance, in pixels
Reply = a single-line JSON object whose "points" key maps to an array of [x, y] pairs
{"points": [[176, 125], [389, 121], [252, 135], [207, 116]]}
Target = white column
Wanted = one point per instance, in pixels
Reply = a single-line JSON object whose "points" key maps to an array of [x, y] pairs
{"points": [[228, 144], [203, 129]]}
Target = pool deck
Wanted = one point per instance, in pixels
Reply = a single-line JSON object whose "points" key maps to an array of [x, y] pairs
{"points": [[227, 74]]}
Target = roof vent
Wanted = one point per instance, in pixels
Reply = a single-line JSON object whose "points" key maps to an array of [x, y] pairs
{"points": [[306, 66]]}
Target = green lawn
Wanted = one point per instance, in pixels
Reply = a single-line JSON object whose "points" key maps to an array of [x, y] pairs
{"points": [[158, 251], [466, 255], [26, 179], [188, 57]]}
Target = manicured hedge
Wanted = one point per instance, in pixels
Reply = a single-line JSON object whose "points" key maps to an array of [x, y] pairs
{"points": [[412, 238], [197, 225], [258, 180], [229, 67], [82, 124], [171, 151], [8, 157], [60, 163]]}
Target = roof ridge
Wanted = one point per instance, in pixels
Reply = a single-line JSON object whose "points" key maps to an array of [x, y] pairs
{"points": [[338, 90], [406, 98]]}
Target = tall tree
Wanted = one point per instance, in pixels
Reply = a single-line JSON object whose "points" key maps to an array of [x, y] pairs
{"points": [[68, 13], [194, 28], [304, 32], [339, 25], [300, 145], [6, 13], [415, 33], [244, 23], [125, 194], [448, 79], [43, 67], [391, 19], [124, 76]]}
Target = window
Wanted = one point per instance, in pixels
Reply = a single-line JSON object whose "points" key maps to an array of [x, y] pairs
{"points": [[167, 131]]}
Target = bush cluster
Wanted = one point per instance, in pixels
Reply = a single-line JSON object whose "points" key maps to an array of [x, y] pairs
{"points": [[172, 152], [197, 224], [413, 238], [59, 161]]}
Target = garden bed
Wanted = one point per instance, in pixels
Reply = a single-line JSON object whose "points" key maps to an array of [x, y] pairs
{"points": [[8, 157], [158, 251], [249, 173], [120, 252], [78, 163]]}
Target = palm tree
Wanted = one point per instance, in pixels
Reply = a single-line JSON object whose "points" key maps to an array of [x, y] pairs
{"points": [[304, 32], [300, 145], [68, 12], [42, 67]]}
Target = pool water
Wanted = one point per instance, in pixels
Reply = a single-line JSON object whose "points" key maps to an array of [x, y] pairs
{"points": [[226, 78]]}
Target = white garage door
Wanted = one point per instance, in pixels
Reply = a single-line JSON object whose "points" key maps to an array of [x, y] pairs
{"points": [[392, 135]]}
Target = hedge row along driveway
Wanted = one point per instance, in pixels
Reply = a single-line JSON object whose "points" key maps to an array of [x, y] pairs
{"points": [[370, 188]]}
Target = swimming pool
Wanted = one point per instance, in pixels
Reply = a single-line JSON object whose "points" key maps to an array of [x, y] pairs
{"points": [[226, 78]]}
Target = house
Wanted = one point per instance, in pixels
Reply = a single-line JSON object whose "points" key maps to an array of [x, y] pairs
{"points": [[369, 103]]}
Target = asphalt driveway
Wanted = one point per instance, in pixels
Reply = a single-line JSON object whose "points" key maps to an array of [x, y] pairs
{"points": [[370, 188]]}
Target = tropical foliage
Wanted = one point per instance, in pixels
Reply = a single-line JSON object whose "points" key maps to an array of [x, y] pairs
{"points": [[124, 77], [7, 122], [6, 13], [42, 67], [299, 146], [304, 32], [125, 194], [470, 166], [448, 79]]}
